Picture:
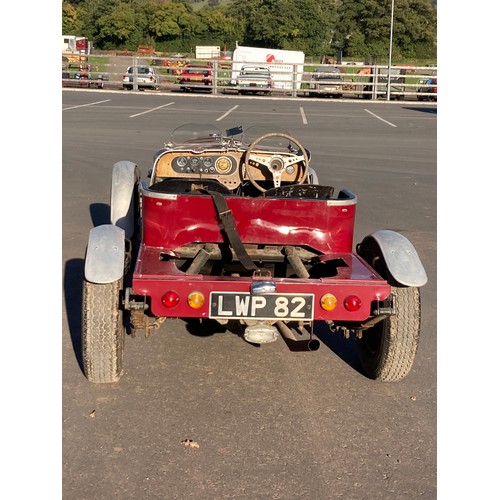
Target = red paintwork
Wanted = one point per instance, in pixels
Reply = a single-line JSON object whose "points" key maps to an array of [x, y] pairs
{"points": [[176, 220], [171, 223]]}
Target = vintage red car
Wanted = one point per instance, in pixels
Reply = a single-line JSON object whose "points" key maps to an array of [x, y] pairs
{"points": [[196, 77], [235, 228]]}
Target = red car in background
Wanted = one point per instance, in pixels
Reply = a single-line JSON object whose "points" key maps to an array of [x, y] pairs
{"points": [[196, 77]]}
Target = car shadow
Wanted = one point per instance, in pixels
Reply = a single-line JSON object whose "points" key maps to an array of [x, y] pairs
{"points": [[72, 287], [100, 213], [422, 109], [203, 327], [344, 348]]}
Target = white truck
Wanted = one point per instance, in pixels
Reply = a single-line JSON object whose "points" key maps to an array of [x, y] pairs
{"points": [[286, 66]]}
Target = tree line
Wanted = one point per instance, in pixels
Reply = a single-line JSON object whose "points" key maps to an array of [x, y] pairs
{"points": [[360, 28]]}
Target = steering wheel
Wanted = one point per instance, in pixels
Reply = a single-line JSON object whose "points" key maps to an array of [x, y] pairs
{"points": [[275, 163]]}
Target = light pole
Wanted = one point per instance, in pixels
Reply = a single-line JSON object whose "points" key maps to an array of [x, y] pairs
{"points": [[390, 53]]}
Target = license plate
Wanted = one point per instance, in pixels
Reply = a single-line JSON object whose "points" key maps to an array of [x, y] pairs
{"points": [[288, 306]]}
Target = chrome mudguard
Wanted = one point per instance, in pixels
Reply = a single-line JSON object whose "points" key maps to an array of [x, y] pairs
{"points": [[105, 258], [400, 257], [123, 182]]}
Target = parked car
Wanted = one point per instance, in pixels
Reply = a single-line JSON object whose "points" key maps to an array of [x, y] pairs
{"points": [[254, 79], [145, 75], [326, 82], [83, 80], [398, 80], [232, 230], [196, 77], [428, 90]]}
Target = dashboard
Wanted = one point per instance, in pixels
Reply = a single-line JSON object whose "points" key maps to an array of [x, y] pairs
{"points": [[204, 164], [227, 167]]}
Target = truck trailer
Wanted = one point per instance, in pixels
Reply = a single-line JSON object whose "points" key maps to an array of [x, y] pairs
{"points": [[286, 66]]}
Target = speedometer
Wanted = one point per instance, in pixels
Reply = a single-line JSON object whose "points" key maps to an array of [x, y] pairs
{"points": [[223, 165]]}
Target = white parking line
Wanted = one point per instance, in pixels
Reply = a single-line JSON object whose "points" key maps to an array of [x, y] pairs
{"points": [[225, 114], [153, 109], [376, 116], [304, 119], [84, 105]]}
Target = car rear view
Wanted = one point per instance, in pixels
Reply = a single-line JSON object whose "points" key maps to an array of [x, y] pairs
{"points": [[196, 77], [254, 79], [326, 82], [143, 77], [232, 230]]}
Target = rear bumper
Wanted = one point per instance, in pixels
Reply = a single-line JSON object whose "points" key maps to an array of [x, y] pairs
{"points": [[154, 277]]}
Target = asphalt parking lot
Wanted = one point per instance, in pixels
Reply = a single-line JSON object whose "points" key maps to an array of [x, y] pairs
{"points": [[269, 423]]}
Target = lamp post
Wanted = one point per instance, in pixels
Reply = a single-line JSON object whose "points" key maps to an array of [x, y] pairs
{"points": [[390, 53]]}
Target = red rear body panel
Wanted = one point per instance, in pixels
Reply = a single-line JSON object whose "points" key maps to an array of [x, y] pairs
{"points": [[325, 226], [170, 221]]}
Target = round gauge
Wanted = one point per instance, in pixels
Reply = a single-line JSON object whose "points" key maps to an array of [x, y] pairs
{"points": [[181, 161], [207, 161], [195, 161], [223, 165]]}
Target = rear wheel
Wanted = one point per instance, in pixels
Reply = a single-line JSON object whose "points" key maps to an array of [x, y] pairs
{"points": [[387, 350], [103, 331]]}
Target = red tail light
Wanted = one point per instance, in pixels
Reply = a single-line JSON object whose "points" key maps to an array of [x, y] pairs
{"points": [[170, 299], [352, 303]]}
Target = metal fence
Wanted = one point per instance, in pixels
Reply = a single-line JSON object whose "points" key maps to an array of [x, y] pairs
{"points": [[357, 81]]}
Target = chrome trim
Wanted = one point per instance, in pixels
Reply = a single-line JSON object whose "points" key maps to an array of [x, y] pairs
{"points": [[262, 287], [351, 199]]}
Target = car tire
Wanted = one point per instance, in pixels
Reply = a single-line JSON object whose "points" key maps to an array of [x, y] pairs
{"points": [[387, 350], [103, 331]]}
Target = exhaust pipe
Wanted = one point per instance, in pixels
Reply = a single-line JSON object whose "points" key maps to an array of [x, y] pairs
{"points": [[295, 344]]}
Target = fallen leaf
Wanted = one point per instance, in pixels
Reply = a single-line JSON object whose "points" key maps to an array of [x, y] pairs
{"points": [[189, 443], [92, 414]]}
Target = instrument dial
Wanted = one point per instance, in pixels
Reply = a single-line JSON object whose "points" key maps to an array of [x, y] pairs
{"points": [[223, 165]]}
